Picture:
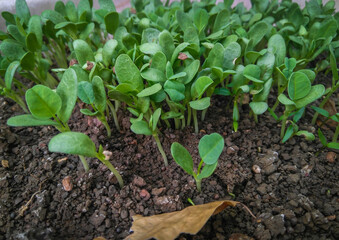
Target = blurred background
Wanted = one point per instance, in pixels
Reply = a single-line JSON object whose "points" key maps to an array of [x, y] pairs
{"points": [[37, 6]]}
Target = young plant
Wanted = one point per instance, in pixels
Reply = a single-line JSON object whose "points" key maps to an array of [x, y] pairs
{"points": [[334, 118], [80, 144], [49, 107], [210, 148]]}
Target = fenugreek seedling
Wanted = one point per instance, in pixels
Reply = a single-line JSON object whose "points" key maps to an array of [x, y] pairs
{"points": [[210, 148], [80, 144]]}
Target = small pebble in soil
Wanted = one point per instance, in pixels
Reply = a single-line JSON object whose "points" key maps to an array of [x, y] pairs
{"points": [[145, 194], [256, 169], [67, 184], [331, 157]]}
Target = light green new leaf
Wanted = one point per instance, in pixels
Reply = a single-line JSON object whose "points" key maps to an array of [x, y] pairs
{"points": [[190, 70], [278, 46], [83, 52], [150, 35], [308, 136], [34, 26], [127, 72], [28, 120], [107, 5], [166, 43], [108, 51], [207, 170], [257, 32], [155, 118], [201, 104], [10, 71], [252, 72], [284, 100], [210, 148], [184, 20], [258, 107], [334, 145], [298, 86], [288, 134], [150, 90], [67, 91], [221, 20], [182, 157], [200, 18], [88, 112], [71, 12], [73, 143], [112, 22], [141, 127], [159, 61], [150, 48], [215, 57], [200, 86], [99, 94], [42, 102], [231, 53], [153, 75], [85, 92], [316, 92]]}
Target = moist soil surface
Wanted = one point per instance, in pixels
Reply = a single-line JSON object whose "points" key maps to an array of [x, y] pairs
{"points": [[293, 190]]}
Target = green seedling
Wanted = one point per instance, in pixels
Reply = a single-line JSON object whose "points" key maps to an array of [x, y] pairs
{"points": [[210, 148], [49, 107], [80, 144], [334, 118]]}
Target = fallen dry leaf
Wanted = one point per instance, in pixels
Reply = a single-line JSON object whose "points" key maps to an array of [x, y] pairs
{"points": [[169, 225]]}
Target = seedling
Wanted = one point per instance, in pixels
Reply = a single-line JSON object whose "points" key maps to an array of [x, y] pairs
{"points": [[80, 144], [210, 148]]}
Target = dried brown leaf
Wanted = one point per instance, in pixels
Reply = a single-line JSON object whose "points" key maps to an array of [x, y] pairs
{"points": [[169, 225]]}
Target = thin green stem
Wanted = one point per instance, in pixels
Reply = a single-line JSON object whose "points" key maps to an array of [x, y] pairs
{"points": [[84, 163], [114, 171], [108, 129], [195, 119], [322, 104], [283, 125], [189, 115], [161, 150], [203, 114], [199, 167], [255, 117], [114, 114], [198, 183]]}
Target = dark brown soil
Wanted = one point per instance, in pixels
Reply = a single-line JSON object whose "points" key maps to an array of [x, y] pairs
{"points": [[295, 196]]}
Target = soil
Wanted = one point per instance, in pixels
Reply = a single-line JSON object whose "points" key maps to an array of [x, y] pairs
{"points": [[293, 192]]}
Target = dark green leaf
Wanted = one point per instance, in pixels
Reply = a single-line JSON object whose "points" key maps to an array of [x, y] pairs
{"points": [[150, 48], [175, 90], [141, 127], [278, 46], [316, 92], [99, 93], [153, 75], [85, 92], [257, 32], [22, 10], [288, 134], [83, 51], [200, 86], [53, 16], [10, 71], [321, 111], [27, 120], [166, 43], [12, 50], [150, 90], [190, 70], [333, 145], [107, 5], [210, 148], [108, 51], [322, 137], [27, 61], [112, 22]]}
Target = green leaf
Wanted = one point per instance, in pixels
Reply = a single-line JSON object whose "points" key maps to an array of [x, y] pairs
{"points": [[127, 72], [53, 16], [22, 10], [107, 5], [288, 134], [221, 20], [143, 104], [184, 20], [252, 72], [231, 53], [278, 46], [67, 91], [266, 64], [27, 61], [71, 12], [190, 70], [333, 63], [210, 148], [175, 90], [88, 112], [150, 48], [32, 42], [83, 52], [170, 114], [84, 10], [215, 57], [42, 102], [150, 90], [141, 127], [73, 143], [322, 137], [177, 50], [308, 136], [290, 64], [12, 50], [99, 94], [284, 100], [207, 170], [28, 120], [321, 111], [155, 118], [108, 51], [316, 92], [257, 32], [309, 73], [112, 22], [200, 104], [14, 32], [200, 19], [153, 75], [200, 86], [159, 61], [258, 107], [182, 157], [150, 35], [34, 26], [10, 71], [178, 75], [322, 30], [85, 92], [166, 43], [299, 86], [333, 145]]}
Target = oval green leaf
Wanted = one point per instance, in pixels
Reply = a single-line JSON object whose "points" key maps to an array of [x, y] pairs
{"points": [[210, 148]]}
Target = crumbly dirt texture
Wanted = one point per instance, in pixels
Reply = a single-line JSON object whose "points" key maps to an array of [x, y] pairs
{"points": [[291, 188]]}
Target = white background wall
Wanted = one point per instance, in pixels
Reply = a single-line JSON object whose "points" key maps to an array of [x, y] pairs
{"points": [[37, 6]]}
